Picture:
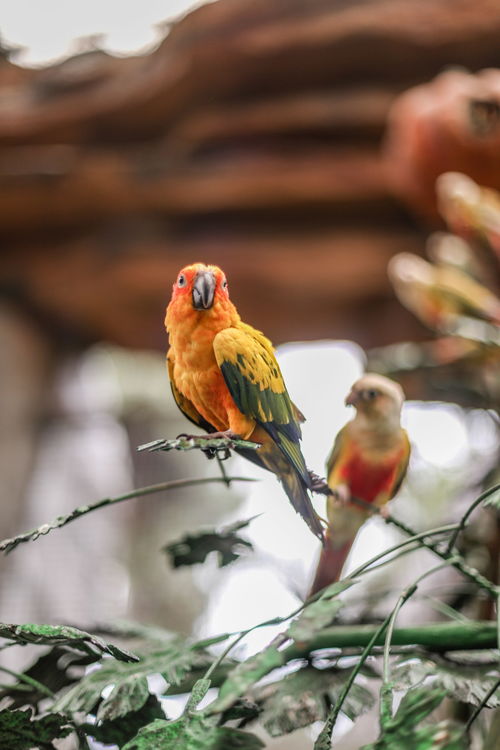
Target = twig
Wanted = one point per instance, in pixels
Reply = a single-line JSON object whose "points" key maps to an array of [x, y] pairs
{"points": [[483, 703], [459, 563], [7, 545], [27, 680], [468, 513], [386, 690]]}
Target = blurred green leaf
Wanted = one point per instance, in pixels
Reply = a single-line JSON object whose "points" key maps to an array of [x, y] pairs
{"points": [[130, 688], [445, 735], [19, 732], [121, 730], [51, 635], [246, 674], [193, 734], [305, 696], [55, 670], [465, 682], [320, 613], [194, 548]]}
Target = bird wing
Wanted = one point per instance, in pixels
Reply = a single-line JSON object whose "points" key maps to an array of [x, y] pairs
{"points": [[403, 465], [185, 405], [253, 377], [337, 453]]}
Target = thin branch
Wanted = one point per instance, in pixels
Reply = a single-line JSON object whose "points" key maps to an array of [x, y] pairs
{"points": [[483, 703], [469, 512], [459, 563], [7, 545], [212, 446], [29, 681], [386, 689]]}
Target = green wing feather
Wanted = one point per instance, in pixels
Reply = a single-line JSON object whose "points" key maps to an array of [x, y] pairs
{"points": [[252, 374], [185, 405]]}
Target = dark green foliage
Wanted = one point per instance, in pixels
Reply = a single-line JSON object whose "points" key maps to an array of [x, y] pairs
{"points": [[51, 635], [122, 729], [194, 548], [195, 734], [130, 687], [402, 731], [18, 731], [55, 670]]}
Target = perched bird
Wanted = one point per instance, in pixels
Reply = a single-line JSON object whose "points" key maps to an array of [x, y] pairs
{"points": [[439, 295], [225, 378], [368, 462]]}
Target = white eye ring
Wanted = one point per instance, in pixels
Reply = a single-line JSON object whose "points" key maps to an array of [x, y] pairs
{"points": [[181, 281], [224, 284]]}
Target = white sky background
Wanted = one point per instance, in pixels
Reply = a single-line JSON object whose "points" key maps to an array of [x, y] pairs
{"points": [[48, 30]]}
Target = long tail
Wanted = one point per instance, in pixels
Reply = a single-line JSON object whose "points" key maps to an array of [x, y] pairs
{"points": [[344, 523], [330, 564], [299, 497]]}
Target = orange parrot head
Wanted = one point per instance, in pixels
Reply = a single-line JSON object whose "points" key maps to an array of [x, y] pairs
{"points": [[377, 398], [199, 289]]}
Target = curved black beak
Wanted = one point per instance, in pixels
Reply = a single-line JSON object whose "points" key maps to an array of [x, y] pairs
{"points": [[203, 290]]}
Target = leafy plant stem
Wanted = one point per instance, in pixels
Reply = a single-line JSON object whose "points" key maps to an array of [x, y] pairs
{"points": [[27, 680], [386, 690]]}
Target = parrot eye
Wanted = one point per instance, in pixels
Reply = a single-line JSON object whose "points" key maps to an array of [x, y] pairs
{"points": [[224, 284], [181, 281], [371, 393]]}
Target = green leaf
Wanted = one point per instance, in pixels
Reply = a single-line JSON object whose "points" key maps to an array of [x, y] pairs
{"points": [[320, 613], [55, 670], [415, 705], [305, 696], [51, 635], [19, 732], [130, 688], [194, 548], [469, 683], [244, 675], [195, 734], [446, 735], [121, 730]]}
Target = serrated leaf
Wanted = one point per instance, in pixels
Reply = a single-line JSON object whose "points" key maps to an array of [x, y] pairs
{"points": [[244, 675], [305, 696], [121, 730], [194, 734], [129, 693], [19, 732], [51, 635], [194, 548], [446, 735], [415, 705], [320, 613], [465, 682]]}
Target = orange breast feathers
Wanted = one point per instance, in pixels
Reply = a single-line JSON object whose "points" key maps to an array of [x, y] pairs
{"points": [[370, 476]]}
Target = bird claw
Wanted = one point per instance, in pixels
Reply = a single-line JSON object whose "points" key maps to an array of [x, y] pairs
{"points": [[222, 453], [318, 484], [342, 495]]}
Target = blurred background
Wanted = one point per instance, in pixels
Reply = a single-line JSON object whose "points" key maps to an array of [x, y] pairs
{"points": [[296, 144]]}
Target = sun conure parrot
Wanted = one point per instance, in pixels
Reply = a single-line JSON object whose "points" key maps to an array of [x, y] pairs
{"points": [[368, 461], [225, 378]]}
